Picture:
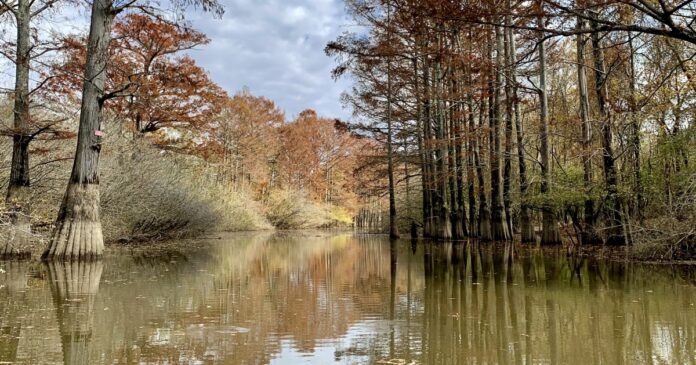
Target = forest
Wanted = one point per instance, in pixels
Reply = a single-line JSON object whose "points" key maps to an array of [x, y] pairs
{"points": [[552, 121]]}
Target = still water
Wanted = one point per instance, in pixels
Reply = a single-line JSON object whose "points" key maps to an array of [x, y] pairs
{"points": [[318, 298]]}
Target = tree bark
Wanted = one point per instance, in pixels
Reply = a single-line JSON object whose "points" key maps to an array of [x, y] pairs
{"points": [[498, 226], [550, 234], [431, 217], [485, 233], [444, 229], [455, 161], [638, 204], [393, 229], [78, 232], [18, 198], [470, 164], [614, 229], [588, 234], [527, 234], [507, 155]]}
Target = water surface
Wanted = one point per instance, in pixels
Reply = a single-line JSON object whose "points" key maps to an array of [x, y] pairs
{"points": [[319, 298]]}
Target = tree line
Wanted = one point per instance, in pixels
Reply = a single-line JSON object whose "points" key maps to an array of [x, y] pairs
{"points": [[574, 117]]}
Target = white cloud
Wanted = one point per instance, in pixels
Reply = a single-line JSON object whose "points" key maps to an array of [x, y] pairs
{"points": [[276, 48]]}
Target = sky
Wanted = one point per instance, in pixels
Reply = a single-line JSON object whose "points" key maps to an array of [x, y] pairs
{"points": [[276, 49]]}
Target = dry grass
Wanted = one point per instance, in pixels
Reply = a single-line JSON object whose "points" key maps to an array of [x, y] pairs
{"points": [[146, 193]]}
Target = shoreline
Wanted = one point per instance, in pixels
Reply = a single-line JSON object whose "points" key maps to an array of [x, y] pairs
{"points": [[597, 252]]}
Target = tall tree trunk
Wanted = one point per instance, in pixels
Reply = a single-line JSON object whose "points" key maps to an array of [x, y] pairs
{"points": [[507, 155], [470, 164], [459, 150], [78, 231], [485, 233], [588, 234], [444, 229], [393, 230], [526, 228], [431, 217], [550, 233], [635, 137], [470, 149], [615, 235], [421, 149], [455, 176], [498, 226], [18, 197]]}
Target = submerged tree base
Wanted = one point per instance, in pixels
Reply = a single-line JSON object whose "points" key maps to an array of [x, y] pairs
{"points": [[16, 238], [16, 243], [78, 232], [550, 234]]}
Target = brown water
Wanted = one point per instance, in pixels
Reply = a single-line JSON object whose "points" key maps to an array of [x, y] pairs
{"points": [[319, 298]]}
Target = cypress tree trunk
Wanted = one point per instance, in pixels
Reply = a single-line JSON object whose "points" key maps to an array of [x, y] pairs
{"points": [[471, 162], [615, 234], [470, 148], [526, 228], [588, 234], [459, 150], [18, 197], [507, 155], [485, 233], [421, 150], [498, 226], [393, 230], [455, 176], [444, 229], [78, 232], [550, 234], [430, 173], [638, 203]]}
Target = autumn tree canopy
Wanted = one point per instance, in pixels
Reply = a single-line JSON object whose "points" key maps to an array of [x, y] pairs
{"points": [[150, 84]]}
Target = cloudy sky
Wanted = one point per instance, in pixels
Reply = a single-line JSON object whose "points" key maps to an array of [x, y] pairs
{"points": [[276, 49], [273, 47]]}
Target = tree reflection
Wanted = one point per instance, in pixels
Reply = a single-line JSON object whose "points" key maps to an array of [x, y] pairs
{"points": [[277, 298], [13, 286], [74, 286]]}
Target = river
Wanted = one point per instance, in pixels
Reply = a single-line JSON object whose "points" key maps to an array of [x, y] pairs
{"points": [[321, 298]]}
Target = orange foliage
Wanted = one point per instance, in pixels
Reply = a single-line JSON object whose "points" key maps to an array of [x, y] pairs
{"points": [[246, 137], [147, 85], [319, 156]]}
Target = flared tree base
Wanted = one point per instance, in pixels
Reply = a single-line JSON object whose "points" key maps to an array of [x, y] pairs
{"points": [[457, 226], [527, 234], [78, 231], [550, 233], [485, 233], [499, 230]]}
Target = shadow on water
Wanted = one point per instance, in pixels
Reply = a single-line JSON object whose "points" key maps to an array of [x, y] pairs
{"points": [[289, 298]]}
